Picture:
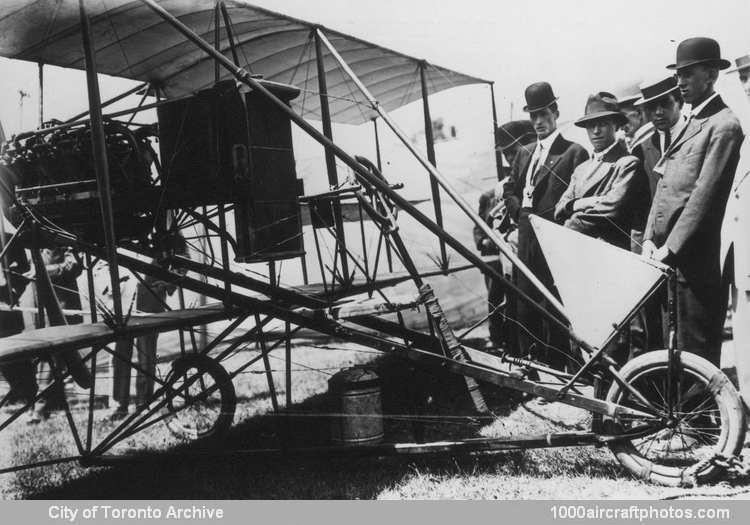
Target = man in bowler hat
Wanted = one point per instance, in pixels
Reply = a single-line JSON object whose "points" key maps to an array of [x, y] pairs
{"points": [[538, 178], [511, 137], [684, 223]]}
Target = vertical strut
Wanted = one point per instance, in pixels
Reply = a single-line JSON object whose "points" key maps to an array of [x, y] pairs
{"points": [[288, 359], [498, 153], [333, 180], [101, 166], [430, 142], [41, 93], [267, 363], [388, 255]]}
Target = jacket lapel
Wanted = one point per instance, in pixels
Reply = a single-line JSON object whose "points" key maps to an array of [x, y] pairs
{"points": [[695, 124], [692, 128], [553, 157], [602, 170], [528, 153], [595, 174]]}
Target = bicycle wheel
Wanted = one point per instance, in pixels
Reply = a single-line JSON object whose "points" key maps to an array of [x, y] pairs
{"points": [[707, 419], [201, 401]]}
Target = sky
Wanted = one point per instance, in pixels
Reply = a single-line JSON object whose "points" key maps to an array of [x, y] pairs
{"points": [[580, 46]]}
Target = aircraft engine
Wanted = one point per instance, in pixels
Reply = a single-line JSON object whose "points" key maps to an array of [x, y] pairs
{"points": [[55, 176]]}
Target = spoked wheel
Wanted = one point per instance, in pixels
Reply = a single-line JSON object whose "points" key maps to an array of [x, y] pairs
{"points": [[707, 419], [201, 399]]}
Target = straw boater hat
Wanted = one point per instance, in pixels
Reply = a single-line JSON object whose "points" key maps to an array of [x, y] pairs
{"points": [[627, 95], [699, 50], [514, 132], [538, 96], [742, 62], [601, 105], [654, 90]]}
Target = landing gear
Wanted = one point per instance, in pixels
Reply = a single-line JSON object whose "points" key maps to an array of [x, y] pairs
{"points": [[201, 399], [702, 418]]}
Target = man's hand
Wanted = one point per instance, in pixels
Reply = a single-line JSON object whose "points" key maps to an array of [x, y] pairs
{"points": [[647, 249], [661, 254]]}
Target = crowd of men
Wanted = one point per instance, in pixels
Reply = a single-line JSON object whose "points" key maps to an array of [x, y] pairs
{"points": [[658, 183]]}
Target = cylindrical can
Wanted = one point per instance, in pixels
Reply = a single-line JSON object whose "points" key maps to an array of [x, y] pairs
{"points": [[358, 407]]}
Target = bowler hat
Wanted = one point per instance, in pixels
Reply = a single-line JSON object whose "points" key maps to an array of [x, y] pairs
{"points": [[538, 96], [656, 89], [601, 105], [742, 62], [513, 132], [699, 50]]}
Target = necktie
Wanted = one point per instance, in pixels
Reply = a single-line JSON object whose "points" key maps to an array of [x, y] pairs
{"points": [[667, 140], [535, 165]]}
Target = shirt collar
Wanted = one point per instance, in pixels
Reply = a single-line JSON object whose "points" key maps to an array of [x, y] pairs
{"points": [[599, 156], [546, 143], [696, 110], [675, 129]]}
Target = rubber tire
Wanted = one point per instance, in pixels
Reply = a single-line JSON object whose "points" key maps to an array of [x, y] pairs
{"points": [[726, 398], [205, 365]]}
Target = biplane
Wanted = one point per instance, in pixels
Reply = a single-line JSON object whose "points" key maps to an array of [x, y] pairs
{"points": [[226, 83]]}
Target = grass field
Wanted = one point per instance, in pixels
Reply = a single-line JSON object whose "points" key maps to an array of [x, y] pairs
{"points": [[566, 473]]}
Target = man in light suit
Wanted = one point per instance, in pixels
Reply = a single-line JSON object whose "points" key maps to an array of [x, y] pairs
{"points": [[637, 128], [600, 200], [538, 177], [736, 248], [511, 138], [684, 224]]}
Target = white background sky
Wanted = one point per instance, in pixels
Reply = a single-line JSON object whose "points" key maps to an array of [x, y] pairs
{"points": [[579, 46]]}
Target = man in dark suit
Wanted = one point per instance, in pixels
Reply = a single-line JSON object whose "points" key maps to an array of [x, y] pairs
{"points": [[662, 103], [538, 178], [684, 224], [511, 137]]}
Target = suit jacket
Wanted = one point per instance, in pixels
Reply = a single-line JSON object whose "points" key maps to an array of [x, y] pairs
{"points": [[697, 172], [616, 180], [648, 152], [551, 180], [487, 201]]}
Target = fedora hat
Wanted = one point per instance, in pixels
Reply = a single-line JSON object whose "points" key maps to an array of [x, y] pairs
{"points": [[538, 96], [514, 132], [699, 50], [601, 105], [741, 63], [656, 89]]}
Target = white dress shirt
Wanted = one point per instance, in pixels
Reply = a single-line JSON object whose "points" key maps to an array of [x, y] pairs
{"points": [[674, 132], [538, 158], [599, 156], [694, 111]]}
